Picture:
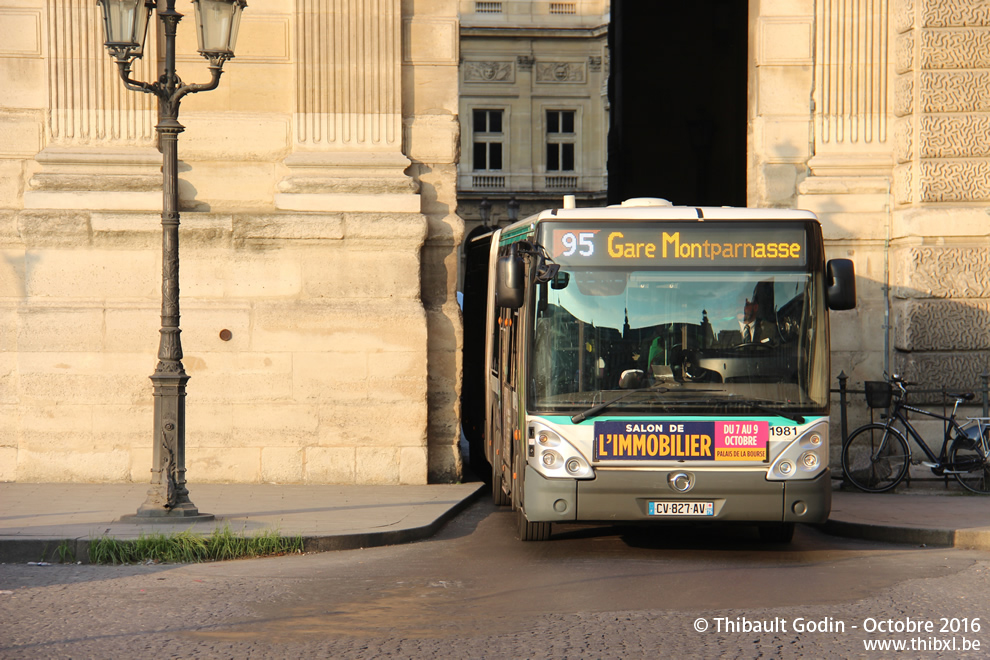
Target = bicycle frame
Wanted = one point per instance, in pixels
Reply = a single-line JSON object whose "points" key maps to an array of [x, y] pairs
{"points": [[897, 414]]}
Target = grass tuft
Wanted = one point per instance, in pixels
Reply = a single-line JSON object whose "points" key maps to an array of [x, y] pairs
{"points": [[189, 547]]}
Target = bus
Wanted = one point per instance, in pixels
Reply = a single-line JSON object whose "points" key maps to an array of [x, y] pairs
{"points": [[653, 363]]}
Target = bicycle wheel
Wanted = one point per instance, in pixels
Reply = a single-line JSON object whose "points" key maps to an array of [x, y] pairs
{"points": [[875, 458], [970, 454]]}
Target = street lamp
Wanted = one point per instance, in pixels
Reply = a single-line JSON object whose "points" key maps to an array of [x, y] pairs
{"points": [[126, 25], [512, 210]]}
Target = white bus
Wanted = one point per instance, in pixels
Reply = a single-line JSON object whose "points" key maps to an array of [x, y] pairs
{"points": [[654, 363]]}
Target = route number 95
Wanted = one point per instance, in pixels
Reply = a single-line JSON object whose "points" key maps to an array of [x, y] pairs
{"points": [[579, 242]]}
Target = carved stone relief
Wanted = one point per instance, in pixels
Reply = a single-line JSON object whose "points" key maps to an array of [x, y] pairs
{"points": [[489, 72], [943, 272], [942, 325], [955, 49], [955, 91], [904, 52], [903, 15], [561, 72], [955, 13], [951, 181], [953, 371], [955, 136]]}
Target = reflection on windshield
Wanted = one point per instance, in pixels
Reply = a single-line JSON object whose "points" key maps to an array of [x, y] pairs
{"points": [[754, 334]]}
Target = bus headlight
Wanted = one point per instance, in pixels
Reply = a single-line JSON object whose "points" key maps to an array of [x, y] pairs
{"points": [[554, 457], [802, 458]]}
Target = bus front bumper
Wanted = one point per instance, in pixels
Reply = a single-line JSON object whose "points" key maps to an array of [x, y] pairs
{"points": [[618, 494]]}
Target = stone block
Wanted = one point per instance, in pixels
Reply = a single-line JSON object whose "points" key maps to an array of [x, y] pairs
{"points": [[412, 465], [228, 137], [202, 326], [407, 229], [11, 187], [20, 83], [954, 371], [949, 271], [282, 465], [329, 465], [361, 273], [235, 377], [225, 185], [62, 466], [8, 378], [100, 274], [397, 364], [223, 465], [61, 329], [141, 458], [942, 325], [330, 325], [376, 465], [321, 375], [135, 330], [56, 419], [70, 388], [432, 138], [135, 422], [8, 463], [444, 465], [785, 90], [240, 275], [372, 424], [316, 228]]}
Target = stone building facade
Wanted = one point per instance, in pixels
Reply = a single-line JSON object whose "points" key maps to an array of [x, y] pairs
{"points": [[319, 226], [894, 158], [318, 247], [533, 105]]}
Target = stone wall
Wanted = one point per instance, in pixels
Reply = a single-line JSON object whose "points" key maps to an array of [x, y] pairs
{"points": [[941, 233], [318, 243]]}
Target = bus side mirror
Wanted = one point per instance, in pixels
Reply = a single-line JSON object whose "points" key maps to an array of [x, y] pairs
{"points": [[840, 285], [509, 284]]}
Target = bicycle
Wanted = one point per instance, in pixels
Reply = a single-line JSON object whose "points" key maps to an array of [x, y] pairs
{"points": [[876, 457]]}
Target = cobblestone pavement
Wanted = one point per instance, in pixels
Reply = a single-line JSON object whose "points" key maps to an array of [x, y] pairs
{"points": [[476, 592]]}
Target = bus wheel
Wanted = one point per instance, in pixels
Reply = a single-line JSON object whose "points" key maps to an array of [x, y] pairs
{"points": [[530, 531], [777, 532], [498, 493]]}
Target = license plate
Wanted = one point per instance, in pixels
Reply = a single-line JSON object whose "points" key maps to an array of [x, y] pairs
{"points": [[681, 509]]}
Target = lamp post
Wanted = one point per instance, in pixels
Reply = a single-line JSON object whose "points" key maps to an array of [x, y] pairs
{"points": [[126, 25], [512, 210]]}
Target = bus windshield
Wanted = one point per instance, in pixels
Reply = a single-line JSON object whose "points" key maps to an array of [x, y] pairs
{"points": [[685, 341]]}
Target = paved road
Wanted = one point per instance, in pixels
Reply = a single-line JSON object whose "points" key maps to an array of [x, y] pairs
{"points": [[474, 591]]}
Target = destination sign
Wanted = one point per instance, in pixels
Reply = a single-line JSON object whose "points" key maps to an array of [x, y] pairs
{"points": [[686, 440], [677, 245]]}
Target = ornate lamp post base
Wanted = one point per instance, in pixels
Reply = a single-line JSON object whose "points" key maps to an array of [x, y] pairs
{"points": [[168, 499]]}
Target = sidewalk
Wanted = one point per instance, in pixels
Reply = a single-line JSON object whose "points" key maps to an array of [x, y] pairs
{"points": [[36, 518], [922, 516]]}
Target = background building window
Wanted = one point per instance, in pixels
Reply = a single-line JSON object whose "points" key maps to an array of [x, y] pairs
{"points": [[560, 140], [488, 138]]}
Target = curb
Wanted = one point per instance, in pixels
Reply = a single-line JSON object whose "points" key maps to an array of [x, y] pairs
{"points": [[19, 551], [970, 539]]}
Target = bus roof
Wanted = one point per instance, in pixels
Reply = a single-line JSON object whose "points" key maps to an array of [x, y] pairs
{"points": [[644, 210]]}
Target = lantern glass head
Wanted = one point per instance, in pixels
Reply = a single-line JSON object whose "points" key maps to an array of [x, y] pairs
{"points": [[125, 24], [217, 22]]}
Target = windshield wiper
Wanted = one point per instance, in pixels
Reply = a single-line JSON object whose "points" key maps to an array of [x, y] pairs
{"points": [[760, 405], [594, 411]]}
